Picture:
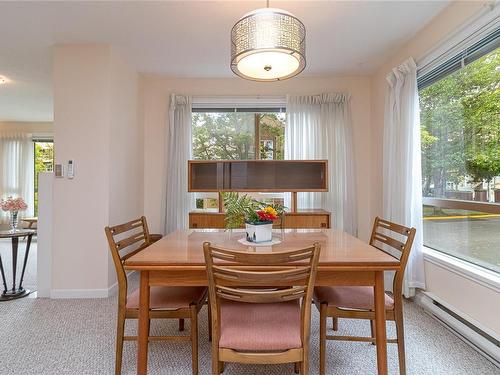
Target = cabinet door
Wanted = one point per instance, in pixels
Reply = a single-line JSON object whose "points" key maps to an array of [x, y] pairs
{"points": [[307, 221], [206, 221]]}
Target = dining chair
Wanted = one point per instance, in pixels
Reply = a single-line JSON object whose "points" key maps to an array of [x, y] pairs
{"points": [[165, 302], [261, 305], [357, 302]]}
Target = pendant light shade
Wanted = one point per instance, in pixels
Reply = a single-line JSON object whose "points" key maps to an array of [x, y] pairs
{"points": [[268, 44]]}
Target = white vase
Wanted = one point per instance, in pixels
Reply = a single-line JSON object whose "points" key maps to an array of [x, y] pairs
{"points": [[259, 232]]}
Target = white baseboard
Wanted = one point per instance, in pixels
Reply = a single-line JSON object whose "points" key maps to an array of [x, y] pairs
{"points": [[86, 293], [462, 330], [78, 293]]}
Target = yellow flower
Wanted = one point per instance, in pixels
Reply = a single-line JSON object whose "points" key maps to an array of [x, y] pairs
{"points": [[271, 211]]}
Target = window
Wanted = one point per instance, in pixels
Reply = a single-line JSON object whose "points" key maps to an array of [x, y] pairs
{"points": [[460, 130], [44, 162], [238, 134]]}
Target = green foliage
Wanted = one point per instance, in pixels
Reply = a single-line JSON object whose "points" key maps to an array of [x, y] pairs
{"points": [[231, 136], [239, 209], [44, 162], [272, 127], [460, 126], [219, 136]]}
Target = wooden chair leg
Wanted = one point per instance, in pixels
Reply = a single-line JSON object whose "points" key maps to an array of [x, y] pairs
{"points": [[304, 367], [401, 341], [296, 367], [322, 338], [120, 332], [209, 311], [181, 325], [194, 339], [372, 329], [221, 367], [215, 358], [335, 323]]}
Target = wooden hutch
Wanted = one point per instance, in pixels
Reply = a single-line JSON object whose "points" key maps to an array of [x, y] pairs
{"points": [[259, 176]]}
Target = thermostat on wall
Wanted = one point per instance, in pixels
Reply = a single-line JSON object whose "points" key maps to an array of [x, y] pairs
{"points": [[59, 170], [71, 169]]}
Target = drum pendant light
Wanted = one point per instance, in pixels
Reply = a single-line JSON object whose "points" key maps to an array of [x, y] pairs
{"points": [[268, 44]]}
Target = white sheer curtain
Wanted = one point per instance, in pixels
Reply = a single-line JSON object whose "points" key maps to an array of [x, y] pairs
{"points": [[402, 170], [319, 127], [178, 201], [17, 170]]}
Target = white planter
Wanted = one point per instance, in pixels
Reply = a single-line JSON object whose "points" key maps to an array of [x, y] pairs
{"points": [[259, 232]]}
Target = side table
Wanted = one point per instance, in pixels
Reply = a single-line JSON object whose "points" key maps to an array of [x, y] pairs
{"points": [[19, 291]]}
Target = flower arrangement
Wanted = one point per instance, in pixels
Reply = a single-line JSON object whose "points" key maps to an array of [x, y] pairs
{"points": [[268, 214], [13, 204], [244, 209]]}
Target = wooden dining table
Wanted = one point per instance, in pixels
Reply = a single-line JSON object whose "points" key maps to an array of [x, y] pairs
{"points": [[177, 260]]}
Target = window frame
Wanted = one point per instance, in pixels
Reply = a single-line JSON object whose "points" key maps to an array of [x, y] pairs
{"points": [[463, 268], [477, 39]]}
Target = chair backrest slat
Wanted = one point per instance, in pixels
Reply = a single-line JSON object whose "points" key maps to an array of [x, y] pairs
{"points": [[398, 245], [256, 258], [287, 276], [119, 229], [383, 233], [393, 227], [129, 241]]}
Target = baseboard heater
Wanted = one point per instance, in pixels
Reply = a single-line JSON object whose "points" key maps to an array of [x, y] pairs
{"points": [[481, 339]]}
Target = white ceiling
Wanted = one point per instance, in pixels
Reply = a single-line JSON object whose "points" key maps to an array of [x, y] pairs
{"points": [[189, 38]]}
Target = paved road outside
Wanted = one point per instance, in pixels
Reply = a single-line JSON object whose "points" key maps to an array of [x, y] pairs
{"points": [[473, 239]]}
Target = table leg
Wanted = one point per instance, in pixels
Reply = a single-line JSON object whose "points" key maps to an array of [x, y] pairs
{"points": [[380, 325], [3, 276], [143, 336], [28, 245], [15, 245]]}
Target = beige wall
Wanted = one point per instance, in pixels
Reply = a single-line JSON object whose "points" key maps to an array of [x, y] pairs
{"points": [[126, 151], [27, 127], [96, 124], [81, 132], [155, 92], [470, 297]]}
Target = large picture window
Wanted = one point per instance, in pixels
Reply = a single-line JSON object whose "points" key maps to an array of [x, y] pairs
{"points": [[238, 134], [460, 127]]}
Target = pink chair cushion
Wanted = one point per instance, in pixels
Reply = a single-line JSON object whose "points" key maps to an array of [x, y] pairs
{"points": [[351, 297], [260, 326], [165, 297]]}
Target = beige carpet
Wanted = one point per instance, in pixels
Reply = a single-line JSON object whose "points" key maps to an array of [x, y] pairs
{"points": [[41, 336]]}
